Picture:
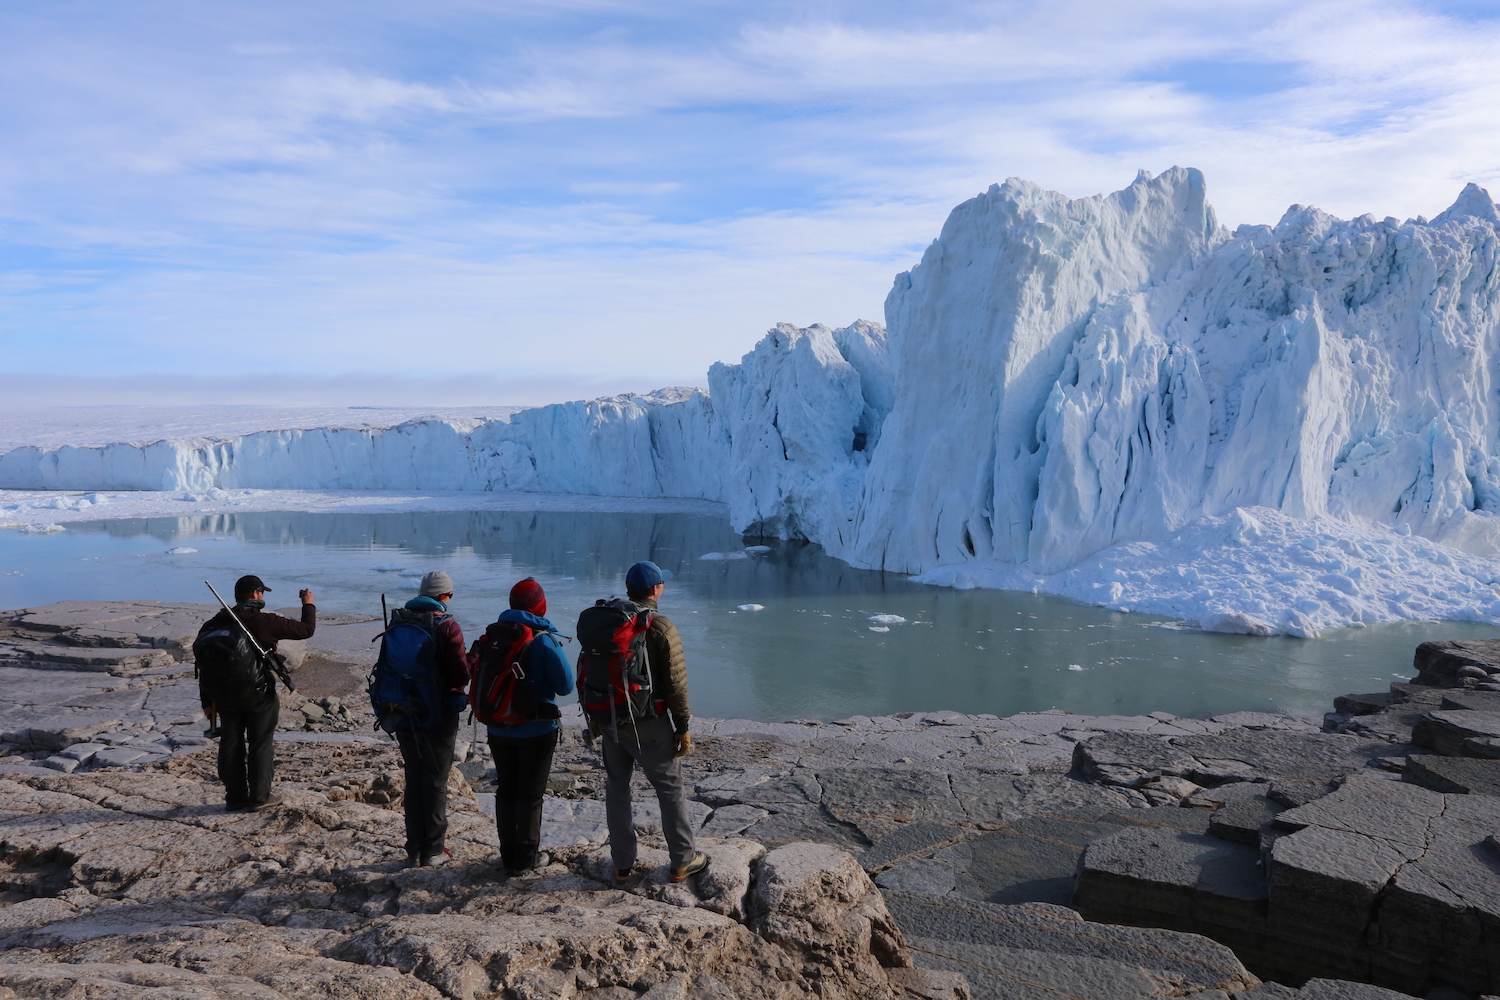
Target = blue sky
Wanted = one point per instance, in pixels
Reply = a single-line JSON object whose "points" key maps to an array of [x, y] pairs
{"points": [[473, 202]]}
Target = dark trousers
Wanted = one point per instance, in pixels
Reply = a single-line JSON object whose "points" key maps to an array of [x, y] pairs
{"points": [[521, 769], [247, 754], [428, 756]]}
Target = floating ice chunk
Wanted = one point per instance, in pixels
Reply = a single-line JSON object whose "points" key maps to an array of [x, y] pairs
{"points": [[38, 529], [751, 607], [756, 550], [1237, 623], [878, 628], [388, 568], [413, 572], [181, 550], [712, 557], [567, 578], [1075, 666], [888, 619]]}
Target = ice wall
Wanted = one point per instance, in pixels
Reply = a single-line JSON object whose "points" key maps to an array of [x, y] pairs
{"points": [[655, 445], [1061, 378], [1074, 374]]}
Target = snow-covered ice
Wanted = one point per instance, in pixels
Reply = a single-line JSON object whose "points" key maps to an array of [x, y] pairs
{"points": [[181, 550], [1283, 429], [750, 607], [887, 619]]}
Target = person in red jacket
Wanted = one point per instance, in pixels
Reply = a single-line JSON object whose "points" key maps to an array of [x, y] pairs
{"points": [[428, 753]]}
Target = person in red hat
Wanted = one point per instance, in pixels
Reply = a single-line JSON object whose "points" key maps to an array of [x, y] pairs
{"points": [[523, 750]]}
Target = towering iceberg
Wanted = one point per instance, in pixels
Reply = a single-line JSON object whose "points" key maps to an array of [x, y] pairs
{"points": [[1062, 386], [1072, 374]]}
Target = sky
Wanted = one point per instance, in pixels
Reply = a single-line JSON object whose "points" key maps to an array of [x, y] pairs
{"points": [[465, 202]]}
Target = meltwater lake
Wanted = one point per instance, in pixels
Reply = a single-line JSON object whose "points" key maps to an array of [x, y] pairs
{"points": [[812, 652]]}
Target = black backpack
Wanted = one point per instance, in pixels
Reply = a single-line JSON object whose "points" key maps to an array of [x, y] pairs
{"points": [[614, 673], [231, 672]]}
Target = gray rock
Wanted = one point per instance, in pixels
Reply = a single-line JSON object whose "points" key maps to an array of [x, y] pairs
{"points": [[1459, 775], [1039, 951], [1471, 701], [1447, 732], [923, 877], [1333, 989], [1363, 704], [1242, 821], [1438, 663], [1162, 877], [728, 821], [913, 840]]}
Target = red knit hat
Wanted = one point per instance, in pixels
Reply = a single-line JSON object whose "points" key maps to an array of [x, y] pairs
{"points": [[529, 596]]}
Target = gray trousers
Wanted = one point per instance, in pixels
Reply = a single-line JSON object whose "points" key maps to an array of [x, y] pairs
{"points": [[651, 745]]}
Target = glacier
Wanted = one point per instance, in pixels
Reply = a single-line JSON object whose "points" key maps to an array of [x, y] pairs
{"points": [[1276, 430]]}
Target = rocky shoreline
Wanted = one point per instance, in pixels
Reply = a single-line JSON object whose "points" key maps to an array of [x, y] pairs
{"points": [[923, 855]]}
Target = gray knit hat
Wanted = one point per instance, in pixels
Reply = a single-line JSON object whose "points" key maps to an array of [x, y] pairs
{"points": [[435, 583]]}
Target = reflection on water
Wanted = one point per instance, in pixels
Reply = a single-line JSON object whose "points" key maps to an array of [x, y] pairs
{"points": [[810, 653]]}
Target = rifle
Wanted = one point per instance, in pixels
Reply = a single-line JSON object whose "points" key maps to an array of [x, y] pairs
{"points": [[211, 713], [275, 662]]}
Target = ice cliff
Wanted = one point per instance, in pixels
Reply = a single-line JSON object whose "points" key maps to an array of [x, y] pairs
{"points": [[1057, 378]]}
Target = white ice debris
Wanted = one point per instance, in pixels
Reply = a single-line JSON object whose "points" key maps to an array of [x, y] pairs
{"points": [[879, 628], [1075, 666], [388, 568], [750, 607], [887, 619], [722, 556], [1111, 398], [757, 550], [37, 528], [181, 550]]}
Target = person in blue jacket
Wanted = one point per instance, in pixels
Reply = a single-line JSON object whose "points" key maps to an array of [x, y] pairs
{"points": [[523, 752]]}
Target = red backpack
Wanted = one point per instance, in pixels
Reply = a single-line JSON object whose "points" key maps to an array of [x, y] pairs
{"points": [[501, 693], [614, 675]]}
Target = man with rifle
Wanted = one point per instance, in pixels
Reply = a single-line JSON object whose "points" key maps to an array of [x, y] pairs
{"points": [[237, 665]]}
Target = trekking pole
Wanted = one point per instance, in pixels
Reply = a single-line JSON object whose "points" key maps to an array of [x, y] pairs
{"points": [[281, 671], [385, 616]]}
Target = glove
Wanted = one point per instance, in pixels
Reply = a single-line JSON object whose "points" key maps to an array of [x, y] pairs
{"points": [[684, 744]]}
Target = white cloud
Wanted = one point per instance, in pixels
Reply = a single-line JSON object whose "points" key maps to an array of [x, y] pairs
{"points": [[546, 186]]}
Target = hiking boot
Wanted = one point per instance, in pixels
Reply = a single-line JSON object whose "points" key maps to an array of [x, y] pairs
{"points": [[413, 861], [622, 876], [270, 803], [437, 860], [693, 867]]}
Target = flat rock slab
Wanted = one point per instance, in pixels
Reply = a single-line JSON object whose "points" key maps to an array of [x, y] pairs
{"points": [[1470, 701], [1459, 775], [1448, 732], [1128, 759], [1163, 877], [1041, 951]]}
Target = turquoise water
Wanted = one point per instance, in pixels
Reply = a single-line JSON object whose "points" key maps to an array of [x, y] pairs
{"points": [[809, 654]]}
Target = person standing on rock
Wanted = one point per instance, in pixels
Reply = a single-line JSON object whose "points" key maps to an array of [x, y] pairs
{"points": [[429, 639], [519, 672], [247, 716], [650, 731]]}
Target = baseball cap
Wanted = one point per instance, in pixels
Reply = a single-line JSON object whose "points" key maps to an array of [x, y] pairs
{"points": [[247, 585], [645, 575]]}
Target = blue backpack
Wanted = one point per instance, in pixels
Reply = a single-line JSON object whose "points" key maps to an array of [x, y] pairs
{"points": [[405, 689]]}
